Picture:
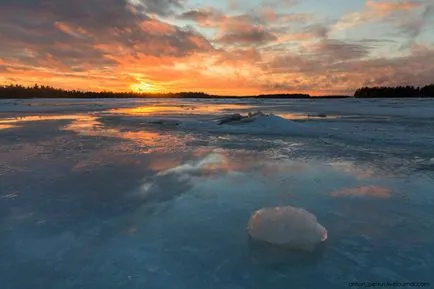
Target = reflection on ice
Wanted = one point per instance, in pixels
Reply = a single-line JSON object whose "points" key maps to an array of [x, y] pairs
{"points": [[354, 170], [171, 182], [211, 163], [9, 196], [42, 117], [150, 140], [196, 108], [6, 126], [147, 110], [365, 191]]}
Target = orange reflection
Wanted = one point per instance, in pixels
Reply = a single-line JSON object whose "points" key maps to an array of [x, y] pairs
{"points": [[364, 191], [147, 110], [6, 126], [358, 172], [288, 167], [163, 163], [201, 152], [214, 162], [31, 118], [154, 109], [89, 126], [148, 140], [221, 161]]}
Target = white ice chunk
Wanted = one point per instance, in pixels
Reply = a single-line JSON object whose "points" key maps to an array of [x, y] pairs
{"points": [[294, 228]]}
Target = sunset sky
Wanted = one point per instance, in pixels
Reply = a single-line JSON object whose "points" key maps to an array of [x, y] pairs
{"points": [[235, 47]]}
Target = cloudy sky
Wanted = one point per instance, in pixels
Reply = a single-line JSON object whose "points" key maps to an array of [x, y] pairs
{"points": [[234, 47]]}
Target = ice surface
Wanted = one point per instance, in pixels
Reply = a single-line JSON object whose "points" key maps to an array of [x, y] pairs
{"points": [[290, 227], [155, 194], [263, 124]]}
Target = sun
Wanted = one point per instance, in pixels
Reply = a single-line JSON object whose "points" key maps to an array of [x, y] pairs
{"points": [[144, 87]]}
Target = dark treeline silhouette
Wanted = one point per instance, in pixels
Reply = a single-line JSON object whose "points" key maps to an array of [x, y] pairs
{"points": [[395, 92], [41, 91]]}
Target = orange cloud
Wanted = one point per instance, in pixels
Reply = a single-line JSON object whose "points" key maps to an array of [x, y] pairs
{"points": [[157, 27], [375, 11], [77, 32], [386, 7]]}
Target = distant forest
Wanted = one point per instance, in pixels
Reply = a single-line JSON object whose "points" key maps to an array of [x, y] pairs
{"points": [[395, 92], [41, 91]]}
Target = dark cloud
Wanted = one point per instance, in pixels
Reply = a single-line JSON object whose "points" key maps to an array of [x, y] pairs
{"points": [[318, 29], [413, 24], [250, 55], [279, 3], [319, 57], [410, 69], [428, 11], [412, 28], [337, 50], [202, 15], [94, 14], [293, 85], [375, 41], [346, 76], [244, 29], [293, 63], [159, 7], [74, 32], [196, 15], [253, 36]]}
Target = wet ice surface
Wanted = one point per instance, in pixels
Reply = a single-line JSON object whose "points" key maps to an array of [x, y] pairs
{"points": [[151, 194]]}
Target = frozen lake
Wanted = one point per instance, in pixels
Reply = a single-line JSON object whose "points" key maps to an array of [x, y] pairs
{"points": [[155, 194]]}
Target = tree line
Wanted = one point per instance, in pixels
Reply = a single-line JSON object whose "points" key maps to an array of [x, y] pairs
{"points": [[395, 92], [42, 91]]}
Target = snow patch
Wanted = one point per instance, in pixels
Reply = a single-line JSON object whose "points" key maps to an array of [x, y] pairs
{"points": [[253, 123]]}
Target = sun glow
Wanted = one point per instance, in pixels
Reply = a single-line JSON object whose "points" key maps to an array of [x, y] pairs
{"points": [[145, 87]]}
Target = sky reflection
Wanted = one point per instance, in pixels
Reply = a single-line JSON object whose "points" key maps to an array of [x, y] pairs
{"points": [[364, 191], [298, 116], [149, 140], [32, 118], [6, 126], [196, 108]]}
